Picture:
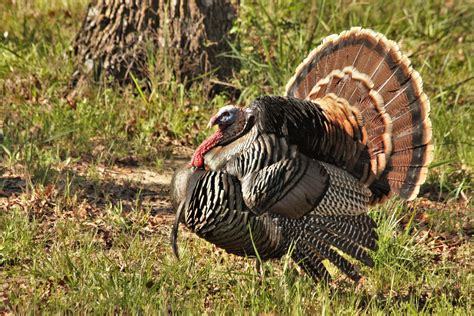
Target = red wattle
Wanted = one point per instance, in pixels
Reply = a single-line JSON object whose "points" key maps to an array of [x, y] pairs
{"points": [[198, 157]]}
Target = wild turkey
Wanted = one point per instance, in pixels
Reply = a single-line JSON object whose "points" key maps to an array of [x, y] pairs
{"points": [[303, 169]]}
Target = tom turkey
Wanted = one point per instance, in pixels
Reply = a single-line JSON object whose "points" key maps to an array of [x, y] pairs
{"points": [[296, 174]]}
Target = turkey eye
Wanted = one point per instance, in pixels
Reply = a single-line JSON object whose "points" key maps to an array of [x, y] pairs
{"points": [[225, 116]]}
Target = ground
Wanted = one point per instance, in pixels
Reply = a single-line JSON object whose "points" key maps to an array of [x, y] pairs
{"points": [[85, 216]]}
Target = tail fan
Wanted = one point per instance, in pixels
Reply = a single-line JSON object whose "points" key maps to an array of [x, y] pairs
{"points": [[369, 72]]}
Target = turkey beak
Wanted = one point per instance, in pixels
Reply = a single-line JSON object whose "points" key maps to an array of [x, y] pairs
{"points": [[212, 121]]}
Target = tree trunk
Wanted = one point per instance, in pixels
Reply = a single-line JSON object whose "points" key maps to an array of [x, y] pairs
{"points": [[118, 37]]}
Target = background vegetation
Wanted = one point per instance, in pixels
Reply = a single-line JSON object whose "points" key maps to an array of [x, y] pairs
{"points": [[82, 223]]}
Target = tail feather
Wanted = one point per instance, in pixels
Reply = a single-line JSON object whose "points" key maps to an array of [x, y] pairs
{"points": [[366, 238], [346, 245], [361, 222], [311, 264], [312, 244], [320, 237], [372, 75]]}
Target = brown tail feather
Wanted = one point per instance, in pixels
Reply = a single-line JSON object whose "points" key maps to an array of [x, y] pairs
{"points": [[371, 74]]}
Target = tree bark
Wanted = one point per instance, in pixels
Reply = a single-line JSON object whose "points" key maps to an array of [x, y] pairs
{"points": [[118, 37]]}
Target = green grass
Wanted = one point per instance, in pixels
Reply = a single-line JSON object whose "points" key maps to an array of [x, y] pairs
{"points": [[112, 262], [65, 245]]}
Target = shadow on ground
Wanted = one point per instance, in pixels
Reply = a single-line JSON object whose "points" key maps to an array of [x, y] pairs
{"points": [[123, 186], [10, 185]]}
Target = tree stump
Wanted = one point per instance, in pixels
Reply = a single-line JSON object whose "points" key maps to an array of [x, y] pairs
{"points": [[118, 37]]}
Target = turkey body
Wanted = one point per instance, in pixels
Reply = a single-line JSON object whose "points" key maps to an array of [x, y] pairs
{"points": [[296, 174]]}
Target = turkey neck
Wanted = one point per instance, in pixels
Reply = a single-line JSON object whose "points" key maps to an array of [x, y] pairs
{"points": [[198, 156], [216, 158]]}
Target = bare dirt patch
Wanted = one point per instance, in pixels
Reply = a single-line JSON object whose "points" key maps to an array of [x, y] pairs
{"points": [[87, 194]]}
